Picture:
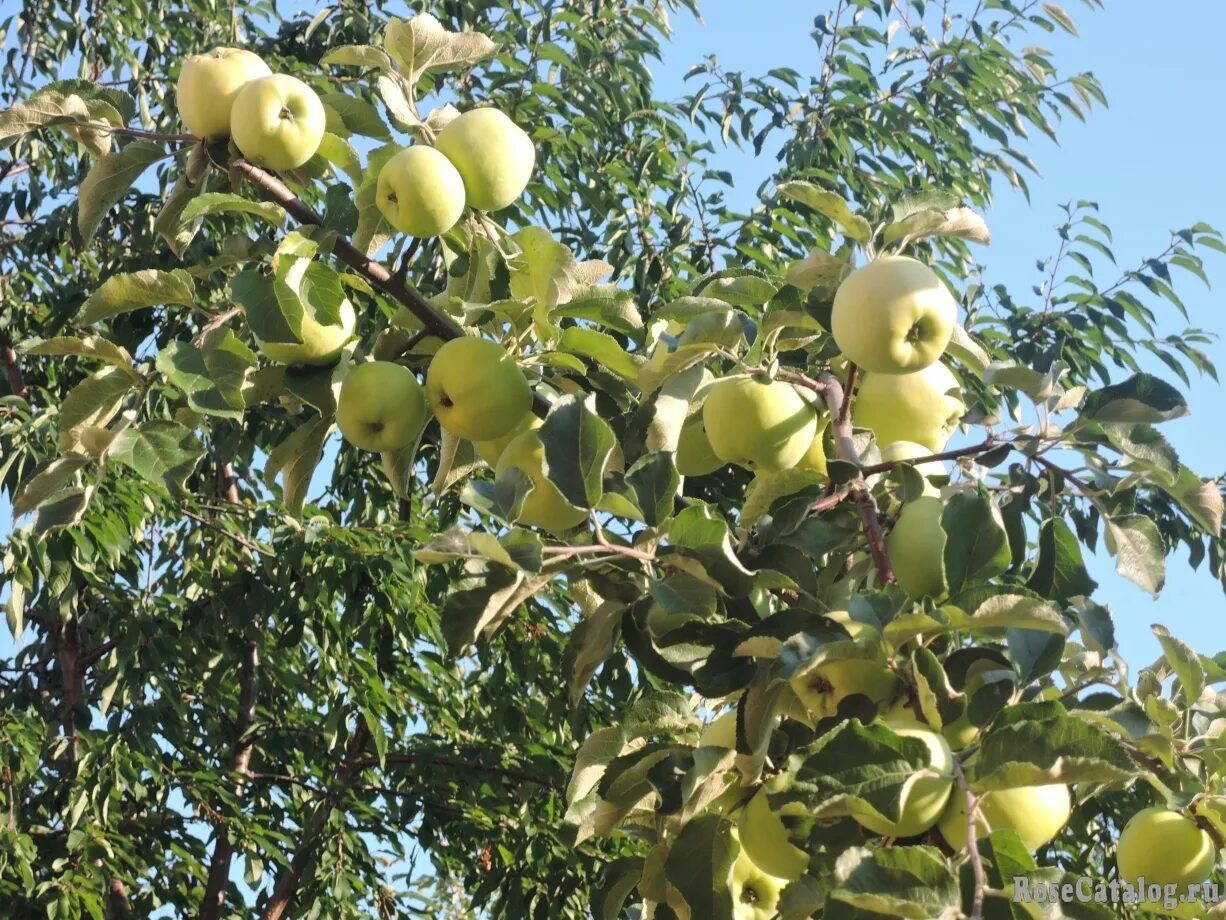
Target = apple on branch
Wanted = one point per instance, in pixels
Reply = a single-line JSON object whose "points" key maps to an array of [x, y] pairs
{"points": [[493, 155], [544, 506], [924, 407], [321, 342], [764, 426], [420, 192], [381, 406], [916, 545], [893, 316], [695, 456], [476, 390], [277, 122], [1036, 813], [924, 794], [208, 85], [1166, 847]]}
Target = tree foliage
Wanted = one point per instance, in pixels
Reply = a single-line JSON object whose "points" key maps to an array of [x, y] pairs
{"points": [[257, 670]]}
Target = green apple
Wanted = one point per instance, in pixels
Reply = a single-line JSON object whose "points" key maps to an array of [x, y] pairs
{"points": [[321, 342], [815, 457], [924, 407], [925, 794], [544, 507], [277, 122], [694, 454], [494, 156], [916, 545], [419, 192], [381, 406], [208, 85], [909, 450], [476, 390], [1037, 813], [820, 689], [491, 451], [764, 839], [893, 316], [764, 427], [1166, 847], [755, 892]]}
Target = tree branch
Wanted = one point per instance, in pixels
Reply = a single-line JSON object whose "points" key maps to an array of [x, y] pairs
{"points": [[12, 371], [240, 763], [954, 454], [972, 841], [838, 401], [440, 324]]}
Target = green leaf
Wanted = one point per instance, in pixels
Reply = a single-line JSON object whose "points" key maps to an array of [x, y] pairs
{"points": [[296, 458], [1140, 398], [136, 291], [339, 152], [229, 203], [699, 863], [161, 452], [592, 641], [653, 481], [373, 228], [831, 205], [1038, 744], [423, 45], [968, 351], [357, 56], [976, 545], [617, 880], [1140, 554], [578, 443], [304, 287], [606, 305], [1061, 17], [698, 534], [1201, 500], [213, 380], [818, 269], [482, 600], [64, 509], [739, 287], [1145, 446], [169, 223], [913, 881], [46, 109], [601, 348], [92, 403], [89, 346], [358, 115], [108, 182], [1183, 661], [1060, 572], [48, 482]]}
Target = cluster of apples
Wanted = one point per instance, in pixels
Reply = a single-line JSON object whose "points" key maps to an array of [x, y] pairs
{"points": [[276, 120]]}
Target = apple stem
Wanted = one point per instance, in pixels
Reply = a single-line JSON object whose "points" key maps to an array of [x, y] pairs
{"points": [[972, 840]]}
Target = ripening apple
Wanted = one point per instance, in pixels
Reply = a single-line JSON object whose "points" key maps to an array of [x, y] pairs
{"points": [[815, 457], [490, 451], [764, 427], [544, 506], [208, 85], [755, 892], [822, 688], [924, 795], [476, 390], [493, 155], [915, 407], [277, 122], [420, 192], [764, 838], [1037, 813], [1166, 847], [694, 454], [381, 406], [916, 545], [321, 342], [893, 316], [909, 450]]}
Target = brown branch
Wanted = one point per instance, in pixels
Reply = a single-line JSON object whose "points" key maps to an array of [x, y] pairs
{"points": [[236, 537], [12, 371], [289, 880], [838, 401], [118, 904], [954, 454], [240, 762], [68, 657], [13, 169], [972, 841], [826, 502], [440, 324], [101, 651], [227, 482], [149, 135]]}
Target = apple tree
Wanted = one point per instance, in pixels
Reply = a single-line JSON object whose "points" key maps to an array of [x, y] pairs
{"points": [[432, 497]]}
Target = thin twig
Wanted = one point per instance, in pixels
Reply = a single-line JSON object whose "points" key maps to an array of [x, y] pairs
{"points": [[954, 454], [236, 537]]}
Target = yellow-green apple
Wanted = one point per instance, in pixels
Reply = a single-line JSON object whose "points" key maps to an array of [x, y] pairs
{"points": [[491, 451], [755, 892], [277, 122], [821, 688], [1037, 813], [1166, 847], [923, 407], [764, 838], [381, 406], [763, 426], [476, 390], [694, 454], [924, 794], [815, 457], [916, 545], [321, 342], [909, 450], [208, 84], [420, 192], [494, 156], [544, 506], [893, 316]]}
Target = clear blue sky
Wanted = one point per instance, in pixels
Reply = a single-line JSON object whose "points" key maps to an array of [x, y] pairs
{"points": [[1152, 162]]}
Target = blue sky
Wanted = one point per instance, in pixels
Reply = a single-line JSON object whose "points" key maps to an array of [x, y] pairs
{"points": [[1152, 162]]}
